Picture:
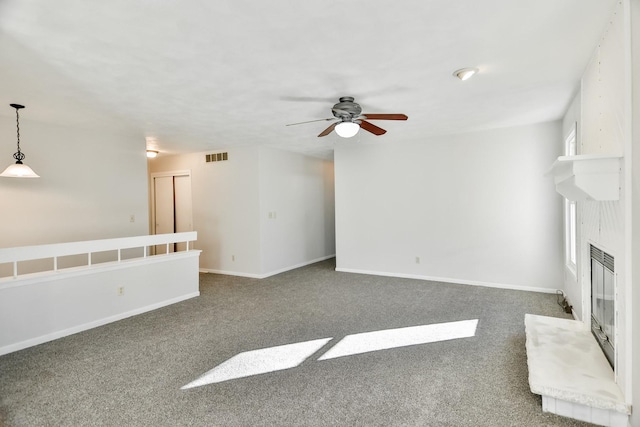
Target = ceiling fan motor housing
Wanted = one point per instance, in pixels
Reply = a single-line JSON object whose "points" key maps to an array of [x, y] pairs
{"points": [[346, 109]]}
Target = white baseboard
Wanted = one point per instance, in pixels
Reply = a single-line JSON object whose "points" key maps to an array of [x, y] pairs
{"points": [[100, 322], [293, 267], [230, 273], [450, 280], [575, 315], [265, 275]]}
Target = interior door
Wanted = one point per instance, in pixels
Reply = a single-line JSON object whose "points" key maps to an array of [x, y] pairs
{"points": [[182, 206], [164, 209], [172, 206]]}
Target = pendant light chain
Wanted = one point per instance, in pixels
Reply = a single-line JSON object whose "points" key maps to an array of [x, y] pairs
{"points": [[19, 155], [19, 169]]}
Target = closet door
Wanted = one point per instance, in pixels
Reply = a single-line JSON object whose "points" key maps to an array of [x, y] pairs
{"points": [[182, 203], [172, 206], [164, 209]]}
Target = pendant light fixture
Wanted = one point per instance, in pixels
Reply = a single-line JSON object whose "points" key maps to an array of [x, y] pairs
{"points": [[19, 169]]}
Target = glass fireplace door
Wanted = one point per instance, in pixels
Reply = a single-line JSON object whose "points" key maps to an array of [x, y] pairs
{"points": [[603, 301]]}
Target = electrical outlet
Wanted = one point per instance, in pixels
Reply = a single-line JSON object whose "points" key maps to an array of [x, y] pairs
{"points": [[233, 257], [120, 291], [417, 260], [132, 218]]}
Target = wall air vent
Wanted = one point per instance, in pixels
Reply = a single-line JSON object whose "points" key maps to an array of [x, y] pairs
{"points": [[602, 257], [217, 157]]}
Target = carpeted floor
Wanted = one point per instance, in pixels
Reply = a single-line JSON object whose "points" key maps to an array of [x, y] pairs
{"points": [[129, 373]]}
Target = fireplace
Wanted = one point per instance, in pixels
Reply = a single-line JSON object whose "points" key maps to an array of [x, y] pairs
{"points": [[603, 301]]}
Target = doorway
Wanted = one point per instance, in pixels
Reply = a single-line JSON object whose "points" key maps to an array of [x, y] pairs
{"points": [[171, 206]]}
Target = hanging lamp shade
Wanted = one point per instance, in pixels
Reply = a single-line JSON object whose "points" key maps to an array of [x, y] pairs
{"points": [[19, 169]]}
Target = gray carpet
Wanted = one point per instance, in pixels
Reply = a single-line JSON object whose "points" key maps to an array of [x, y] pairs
{"points": [[129, 373]]}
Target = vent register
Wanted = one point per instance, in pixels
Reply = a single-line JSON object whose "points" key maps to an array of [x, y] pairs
{"points": [[217, 157]]}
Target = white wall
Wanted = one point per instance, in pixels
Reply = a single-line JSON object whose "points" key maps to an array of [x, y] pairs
{"points": [[572, 286], [633, 193], [91, 182], [603, 116], [296, 210], [232, 199], [225, 207], [475, 208], [57, 304], [605, 121]]}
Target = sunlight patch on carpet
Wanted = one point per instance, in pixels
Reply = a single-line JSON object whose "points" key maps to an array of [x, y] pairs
{"points": [[289, 356], [260, 361], [401, 337]]}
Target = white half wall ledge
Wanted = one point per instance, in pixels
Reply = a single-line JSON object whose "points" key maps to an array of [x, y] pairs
{"points": [[46, 306], [453, 280], [90, 325], [593, 177], [84, 270]]}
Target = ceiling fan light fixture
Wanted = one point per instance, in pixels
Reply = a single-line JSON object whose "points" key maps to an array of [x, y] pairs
{"points": [[465, 73], [347, 129], [152, 154]]}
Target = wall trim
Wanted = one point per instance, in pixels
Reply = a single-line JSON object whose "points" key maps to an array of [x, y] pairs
{"points": [[86, 326], [265, 275], [450, 280], [230, 273]]}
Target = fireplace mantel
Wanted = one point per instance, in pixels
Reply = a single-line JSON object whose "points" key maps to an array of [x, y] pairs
{"points": [[587, 177]]}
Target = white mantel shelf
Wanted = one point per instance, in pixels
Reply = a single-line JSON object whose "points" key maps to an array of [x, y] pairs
{"points": [[587, 177]]}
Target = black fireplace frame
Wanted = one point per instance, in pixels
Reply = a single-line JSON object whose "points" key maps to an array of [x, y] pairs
{"points": [[603, 310]]}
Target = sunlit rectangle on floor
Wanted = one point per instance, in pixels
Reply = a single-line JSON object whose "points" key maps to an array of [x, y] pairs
{"points": [[260, 362], [401, 337]]}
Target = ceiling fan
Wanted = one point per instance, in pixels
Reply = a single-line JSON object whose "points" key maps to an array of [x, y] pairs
{"points": [[350, 119]]}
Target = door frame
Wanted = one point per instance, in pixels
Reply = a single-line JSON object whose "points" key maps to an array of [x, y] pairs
{"points": [[186, 172]]}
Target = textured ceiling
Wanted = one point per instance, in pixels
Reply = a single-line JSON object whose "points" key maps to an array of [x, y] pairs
{"points": [[201, 75]]}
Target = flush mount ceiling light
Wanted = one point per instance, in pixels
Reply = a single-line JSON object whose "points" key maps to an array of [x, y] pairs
{"points": [[465, 73], [152, 153], [19, 169], [347, 129]]}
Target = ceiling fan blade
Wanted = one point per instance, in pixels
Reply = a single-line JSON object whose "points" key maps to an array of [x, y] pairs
{"points": [[328, 130], [306, 99], [311, 121], [370, 127], [386, 116]]}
